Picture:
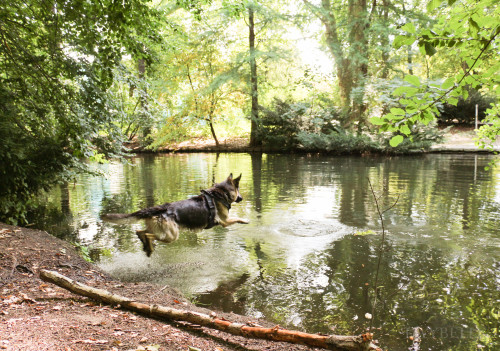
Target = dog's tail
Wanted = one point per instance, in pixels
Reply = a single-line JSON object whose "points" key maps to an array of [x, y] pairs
{"points": [[120, 218]]}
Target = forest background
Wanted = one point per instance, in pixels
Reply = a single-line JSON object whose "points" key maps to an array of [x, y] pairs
{"points": [[80, 78]]}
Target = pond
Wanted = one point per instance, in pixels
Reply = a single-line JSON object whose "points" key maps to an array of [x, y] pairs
{"points": [[308, 259]]}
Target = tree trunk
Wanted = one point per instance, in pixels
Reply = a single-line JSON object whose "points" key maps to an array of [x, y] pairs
{"points": [[146, 130], [254, 130], [359, 52], [211, 124], [335, 46], [351, 63], [330, 342], [409, 53], [384, 40]]}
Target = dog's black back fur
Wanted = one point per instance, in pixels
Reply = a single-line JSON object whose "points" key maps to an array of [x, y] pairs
{"points": [[190, 213]]}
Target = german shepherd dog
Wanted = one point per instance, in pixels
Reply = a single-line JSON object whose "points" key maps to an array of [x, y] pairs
{"points": [[203, 211]]}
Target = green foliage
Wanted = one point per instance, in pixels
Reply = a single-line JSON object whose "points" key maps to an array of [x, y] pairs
{"points": [[281, 125], [135, 107], [342, 142], [468, 30], [57, 62], [488, 133], [337, 142], [419, 138], [401, 113], [298, 126], [284, 121], [84, 251]]}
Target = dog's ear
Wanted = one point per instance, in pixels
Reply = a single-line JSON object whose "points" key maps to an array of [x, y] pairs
{"points": [[230, 178], [236, 181]]}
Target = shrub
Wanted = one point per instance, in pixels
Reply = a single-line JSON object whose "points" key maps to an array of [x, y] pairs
{"points": [[281, 124], [421, 139], [337, 141], [285, 121], [297, 126], [465, 111]]}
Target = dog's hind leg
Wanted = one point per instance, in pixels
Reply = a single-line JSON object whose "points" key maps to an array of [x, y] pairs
{"points": [[147, 241]]}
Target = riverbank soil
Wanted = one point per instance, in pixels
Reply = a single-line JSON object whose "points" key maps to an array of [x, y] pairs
{"points": [[35, 315], [458, 139], [461, 139]]}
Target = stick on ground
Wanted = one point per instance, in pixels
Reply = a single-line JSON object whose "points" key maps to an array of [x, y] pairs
{"points": [[330, 342]]}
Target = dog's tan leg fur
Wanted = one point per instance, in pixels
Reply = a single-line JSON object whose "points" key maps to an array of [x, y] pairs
{"points": [[223, 216], [231, 221]]}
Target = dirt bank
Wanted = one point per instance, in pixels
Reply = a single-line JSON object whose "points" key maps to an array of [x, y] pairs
{"points": [[38, 316], [458, 139]]}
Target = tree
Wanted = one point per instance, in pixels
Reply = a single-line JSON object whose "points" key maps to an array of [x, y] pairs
{"points": [[468, 30], [57, 62], [351, 59], [199, 76], [254, 90]]}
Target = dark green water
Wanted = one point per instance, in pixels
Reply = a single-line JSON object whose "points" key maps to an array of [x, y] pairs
{"points": [[308, 259]]}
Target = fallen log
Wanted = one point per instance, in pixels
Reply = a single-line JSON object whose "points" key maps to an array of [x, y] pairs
{"points": [[330, 342]]}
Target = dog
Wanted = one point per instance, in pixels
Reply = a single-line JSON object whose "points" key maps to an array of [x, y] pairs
{"points": [[203, 211]]}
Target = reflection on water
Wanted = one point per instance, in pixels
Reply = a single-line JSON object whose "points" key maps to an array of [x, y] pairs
{"points": [[305, 259]]}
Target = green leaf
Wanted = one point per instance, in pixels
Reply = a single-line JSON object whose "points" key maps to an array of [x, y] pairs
{"points": [[377, 121], [426, 117], [473, 24], [427, 34], [469, 79], [401, 40], [432, 5], [401, 90], [409, 27], [411, 91], [452, 101], [396, 140], [465, 94], [430, 50], [389, 117], [405, 130], [413, 80], [448, 83], [421, 49], [398, 111]]}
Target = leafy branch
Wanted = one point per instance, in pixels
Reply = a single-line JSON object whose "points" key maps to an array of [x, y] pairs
{"points": [[420, 104], [453, 87]]}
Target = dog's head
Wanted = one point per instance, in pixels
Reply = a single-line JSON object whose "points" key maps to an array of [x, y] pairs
{"points": [[231, 186]]}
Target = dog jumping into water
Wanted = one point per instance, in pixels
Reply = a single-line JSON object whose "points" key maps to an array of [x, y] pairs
{"points": [[203, 211]]}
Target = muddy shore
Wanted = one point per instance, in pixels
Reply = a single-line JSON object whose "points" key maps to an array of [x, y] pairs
{"points": [[35, 315]]}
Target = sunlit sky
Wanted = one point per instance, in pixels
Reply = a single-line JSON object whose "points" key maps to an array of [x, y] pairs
{"points": [[312, 55], [309, 48]]}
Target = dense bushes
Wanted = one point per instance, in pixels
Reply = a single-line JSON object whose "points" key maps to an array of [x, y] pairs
{"points": [[340, 142], [300, 127], [465, 110], [281, 125]]}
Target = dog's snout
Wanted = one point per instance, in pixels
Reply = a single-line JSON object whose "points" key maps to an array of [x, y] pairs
{"points": [[239, 198]]}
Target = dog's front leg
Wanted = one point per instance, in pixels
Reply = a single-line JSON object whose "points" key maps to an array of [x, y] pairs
{"points": [[231, 221]]}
